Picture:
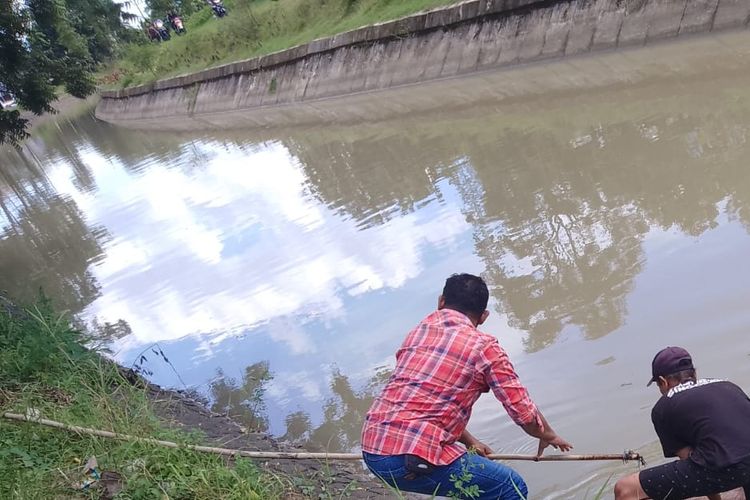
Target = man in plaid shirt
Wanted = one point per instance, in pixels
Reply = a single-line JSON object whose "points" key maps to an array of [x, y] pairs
{"points": [[411, 433]]}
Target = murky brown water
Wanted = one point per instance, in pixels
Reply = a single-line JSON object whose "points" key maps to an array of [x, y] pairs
{"points": [[278, 272]]}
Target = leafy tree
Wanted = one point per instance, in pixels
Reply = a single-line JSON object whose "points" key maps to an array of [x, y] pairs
{"points": [[45, 44], [103, 24]]}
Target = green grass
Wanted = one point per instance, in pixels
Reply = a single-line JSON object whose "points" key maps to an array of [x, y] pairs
{"points": [[252, 28], [44, 369]]}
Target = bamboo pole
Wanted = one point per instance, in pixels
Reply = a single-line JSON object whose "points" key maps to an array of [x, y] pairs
{"points": [[626, 456]]}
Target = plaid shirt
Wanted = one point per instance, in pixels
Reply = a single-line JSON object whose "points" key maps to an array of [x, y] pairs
{"points": [[443, 366]]}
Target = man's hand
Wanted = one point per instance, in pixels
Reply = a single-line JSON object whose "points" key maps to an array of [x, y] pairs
{"points": [[473, 443], [540, 429], [684, 453], [481, 448], [556, 442]]}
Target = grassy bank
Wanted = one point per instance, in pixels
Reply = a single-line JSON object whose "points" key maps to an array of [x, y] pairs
{"points": [[44, 371], [252, 28]]}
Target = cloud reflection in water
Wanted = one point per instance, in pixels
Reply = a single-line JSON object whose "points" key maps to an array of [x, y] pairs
{"points": [[237, 242]]}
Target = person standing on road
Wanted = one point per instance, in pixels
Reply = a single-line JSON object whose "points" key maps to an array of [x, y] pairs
{"points": [[704, 422], [411, 433]]}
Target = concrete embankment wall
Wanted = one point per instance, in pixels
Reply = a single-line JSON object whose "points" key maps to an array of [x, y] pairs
{"points": [[296, 85]]}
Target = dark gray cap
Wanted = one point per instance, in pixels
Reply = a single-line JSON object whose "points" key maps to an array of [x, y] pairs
{"points": [[668, 361]]}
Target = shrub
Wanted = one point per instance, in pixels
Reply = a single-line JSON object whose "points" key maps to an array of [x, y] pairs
{"points": [[45, 370], [37, 345]]}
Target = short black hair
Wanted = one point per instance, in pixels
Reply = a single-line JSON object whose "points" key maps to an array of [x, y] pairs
{"points": [[683, 376], [466, 293]]}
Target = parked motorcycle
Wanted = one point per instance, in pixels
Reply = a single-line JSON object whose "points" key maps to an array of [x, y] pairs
{"points": [[177, 25], [218, 8], [162, 29], [153, 33], [7, 101]]}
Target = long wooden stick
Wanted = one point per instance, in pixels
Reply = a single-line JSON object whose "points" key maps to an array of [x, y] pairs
{"points": [[628, 455]]}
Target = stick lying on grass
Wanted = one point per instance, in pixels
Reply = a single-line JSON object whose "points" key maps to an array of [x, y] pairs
{"points": [[626, 456]]}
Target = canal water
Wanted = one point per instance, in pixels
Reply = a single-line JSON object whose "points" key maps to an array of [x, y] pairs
{"points": [[276, 272]]}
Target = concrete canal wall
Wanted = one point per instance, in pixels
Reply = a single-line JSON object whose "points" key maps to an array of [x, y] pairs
{"points": [[290, 87]]}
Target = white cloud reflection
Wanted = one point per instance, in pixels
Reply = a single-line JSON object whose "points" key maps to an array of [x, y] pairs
{"points": [[237, 242], [284, 386]]}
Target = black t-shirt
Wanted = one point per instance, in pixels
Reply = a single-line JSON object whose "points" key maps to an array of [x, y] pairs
{"points": [[710, 416]]}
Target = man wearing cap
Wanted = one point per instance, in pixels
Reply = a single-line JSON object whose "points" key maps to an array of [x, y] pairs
{"points": [[704, 422]]}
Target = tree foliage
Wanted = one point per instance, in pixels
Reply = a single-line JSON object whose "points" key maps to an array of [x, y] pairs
{"points": [[159, 8], [46, 44]]}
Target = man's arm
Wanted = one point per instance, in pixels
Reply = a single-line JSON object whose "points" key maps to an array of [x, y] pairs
{"points": [[504, 382], [671, 444]]}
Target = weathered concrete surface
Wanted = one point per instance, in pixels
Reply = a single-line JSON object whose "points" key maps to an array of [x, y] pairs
{"points": [[470, 37], [732, 14], [631, 70]]}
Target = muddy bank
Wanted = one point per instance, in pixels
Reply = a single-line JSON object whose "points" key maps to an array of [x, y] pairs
{"points": [[311, 478], [471, 37]]}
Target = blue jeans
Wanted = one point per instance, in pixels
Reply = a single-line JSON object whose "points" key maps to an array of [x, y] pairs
{"points": [[495, 481]]}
